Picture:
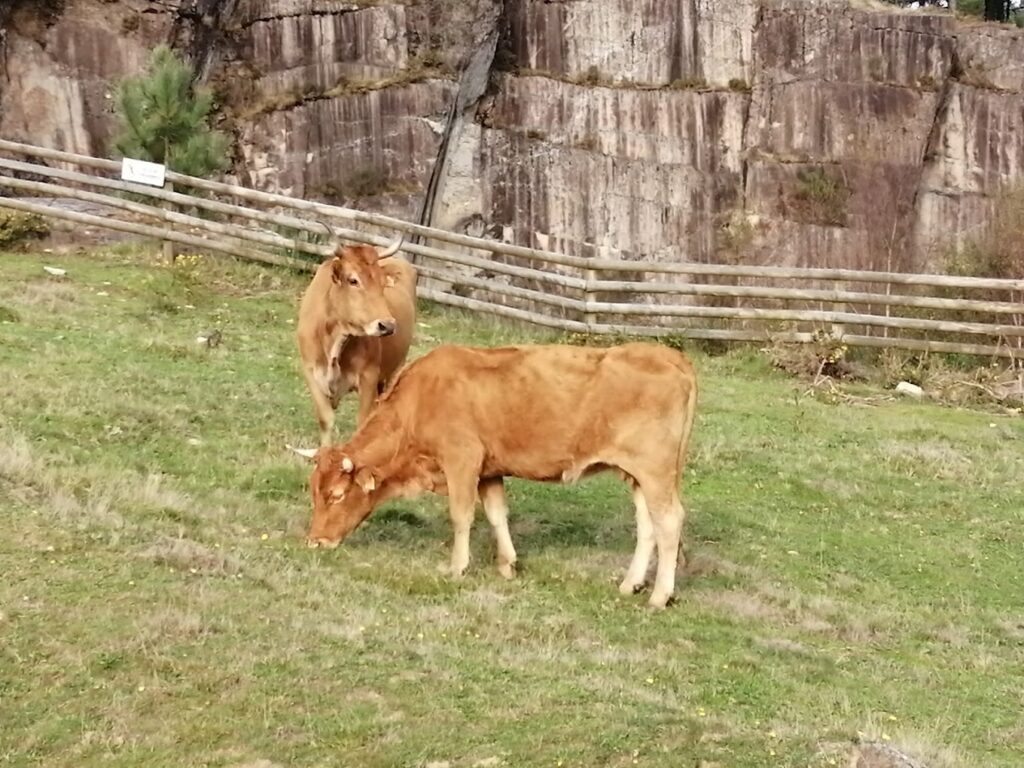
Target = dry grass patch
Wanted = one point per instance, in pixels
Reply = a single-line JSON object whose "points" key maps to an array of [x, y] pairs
{"points": [[815, 614], [31, 482], [703, 564], [17, 464], [485, 600], [647, 685], [50, 295], [929, 458], [844, 581], [883, 742], [746, 606], [80, 499], [839, 490], [1013, 628], [785, 608], [153, 491], [191, 556], [982, 386], [157, 627], [601, 654], [951, 635], [863, 631], [784, 645], [349, 632]]}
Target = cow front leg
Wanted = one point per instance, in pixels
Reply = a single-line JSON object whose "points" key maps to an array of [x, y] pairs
{"points": [[462, 477], [369, 379], [492, 493], [322, 404], [636, 576], [461, 508]]}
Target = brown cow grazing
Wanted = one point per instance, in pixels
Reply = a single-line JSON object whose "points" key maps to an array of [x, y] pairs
{"points": [[355, 326], [459, 419]]}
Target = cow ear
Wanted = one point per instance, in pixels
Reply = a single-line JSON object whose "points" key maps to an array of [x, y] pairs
{"points": [[337, 273], [366, 479]]}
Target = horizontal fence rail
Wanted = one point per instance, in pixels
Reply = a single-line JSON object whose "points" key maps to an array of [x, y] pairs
{"points": [[716, 302]]}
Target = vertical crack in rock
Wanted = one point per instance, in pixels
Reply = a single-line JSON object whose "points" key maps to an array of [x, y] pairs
{"points": [[4, 75], [199, 31], [685, 56], [930, 148], [696, 52], [440, 163], [748, 109], [473, 83]]}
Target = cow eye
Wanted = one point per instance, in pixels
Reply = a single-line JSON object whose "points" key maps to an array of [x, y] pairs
{"points": [[353, 280]]}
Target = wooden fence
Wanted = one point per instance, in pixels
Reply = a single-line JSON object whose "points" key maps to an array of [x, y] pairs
{"points": [[942, 313]]}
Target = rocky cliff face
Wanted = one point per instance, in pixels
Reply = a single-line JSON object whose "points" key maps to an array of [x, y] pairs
{"points": [[58, 61], [759, 131]]}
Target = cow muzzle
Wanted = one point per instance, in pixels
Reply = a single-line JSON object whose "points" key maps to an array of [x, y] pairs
{"points": [[321, 543], [382, 327]]}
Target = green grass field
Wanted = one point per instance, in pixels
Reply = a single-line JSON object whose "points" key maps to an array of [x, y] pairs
{"points": [[853, 572]]}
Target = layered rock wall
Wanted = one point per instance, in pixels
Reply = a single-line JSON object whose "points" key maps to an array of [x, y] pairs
{"points": [[762, 131], [58, 69]]}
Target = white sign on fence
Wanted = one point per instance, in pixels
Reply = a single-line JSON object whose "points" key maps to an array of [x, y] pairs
{"points": [[143, 172]]}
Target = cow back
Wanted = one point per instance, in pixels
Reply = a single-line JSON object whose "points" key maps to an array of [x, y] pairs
{"points": [[547, 412]]}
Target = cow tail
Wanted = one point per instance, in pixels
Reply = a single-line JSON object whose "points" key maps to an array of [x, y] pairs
{"points": [[688, 417]]}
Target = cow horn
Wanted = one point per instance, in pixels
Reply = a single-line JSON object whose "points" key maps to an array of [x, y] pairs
{"points": [[308, 453], [392, 249], [327, 228], [346, 464]]}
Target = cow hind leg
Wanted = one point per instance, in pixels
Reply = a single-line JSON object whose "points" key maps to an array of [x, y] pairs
{"points": [[667, 515], [492, 493], [636, 576]]}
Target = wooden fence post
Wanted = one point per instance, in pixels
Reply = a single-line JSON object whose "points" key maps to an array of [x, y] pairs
{"points": [[169, 249], [590, 318], [839, 329], [1018, 320]]}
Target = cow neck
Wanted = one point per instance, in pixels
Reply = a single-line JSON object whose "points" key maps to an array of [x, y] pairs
{"points": [[386, 441], [336, 344], [378, 441]]}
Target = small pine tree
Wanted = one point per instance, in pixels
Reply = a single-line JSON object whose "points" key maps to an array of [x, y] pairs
{"points": [[164, 119]]}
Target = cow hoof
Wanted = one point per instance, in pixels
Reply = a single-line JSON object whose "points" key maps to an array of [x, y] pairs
{"points": [[322, 544], [507, 570], [631, 588], [658, 602], [453, 571]]}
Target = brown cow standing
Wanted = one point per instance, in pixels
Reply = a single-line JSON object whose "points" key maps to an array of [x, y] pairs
{"points": [[459, 419], [355, 326]]}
